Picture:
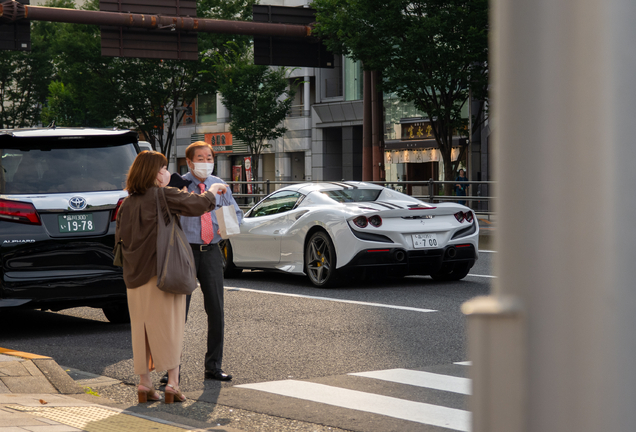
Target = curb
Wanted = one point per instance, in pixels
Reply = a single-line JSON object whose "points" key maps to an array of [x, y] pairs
{"points": [[7, 351], [33, 373], [37, 394]]}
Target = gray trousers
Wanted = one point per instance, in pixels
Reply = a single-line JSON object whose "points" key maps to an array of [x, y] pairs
{"points": [[209, 265]]}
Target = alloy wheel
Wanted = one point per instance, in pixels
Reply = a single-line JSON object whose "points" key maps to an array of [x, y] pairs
{"points": [[320, 259]]}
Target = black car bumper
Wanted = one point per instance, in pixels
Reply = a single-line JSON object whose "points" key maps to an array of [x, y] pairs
{"points": [[98, 289], [400, 262]]}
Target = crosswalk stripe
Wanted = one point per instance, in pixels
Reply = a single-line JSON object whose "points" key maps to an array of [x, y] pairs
{"points": [[421, 379], [419, 412], [464, 363]]}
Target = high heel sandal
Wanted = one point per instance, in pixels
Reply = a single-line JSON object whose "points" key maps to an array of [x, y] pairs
{"points": [[170, 394], [147, 394]]}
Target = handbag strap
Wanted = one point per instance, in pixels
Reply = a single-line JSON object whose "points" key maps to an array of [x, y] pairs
{"points": [[163, 205]]}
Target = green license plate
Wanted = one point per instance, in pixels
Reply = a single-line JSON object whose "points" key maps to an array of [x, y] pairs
{"points": [[70, 223]]}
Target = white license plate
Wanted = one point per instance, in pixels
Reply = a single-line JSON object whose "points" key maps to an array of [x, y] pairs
{"points": [[421, 241], [81, 222]]}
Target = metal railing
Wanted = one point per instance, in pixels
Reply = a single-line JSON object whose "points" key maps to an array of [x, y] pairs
{"points": [[479, 196], [296, 111]]}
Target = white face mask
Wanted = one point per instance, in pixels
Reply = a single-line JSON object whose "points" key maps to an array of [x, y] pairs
{"points": [[202, 170]]}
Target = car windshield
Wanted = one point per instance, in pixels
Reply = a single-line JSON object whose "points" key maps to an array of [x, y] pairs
{"points": [[353, 195], [60, 170]]}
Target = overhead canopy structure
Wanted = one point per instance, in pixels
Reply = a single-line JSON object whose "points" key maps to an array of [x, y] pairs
{"points": [[165, 30]]}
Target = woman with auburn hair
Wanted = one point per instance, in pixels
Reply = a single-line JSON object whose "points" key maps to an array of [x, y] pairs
{"points": [[157, 318]]}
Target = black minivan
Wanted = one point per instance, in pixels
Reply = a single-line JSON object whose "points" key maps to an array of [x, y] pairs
{"points": [[60, 189]]}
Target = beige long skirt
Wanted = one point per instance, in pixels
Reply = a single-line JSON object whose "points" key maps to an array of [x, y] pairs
{"points": [[157, 321]]}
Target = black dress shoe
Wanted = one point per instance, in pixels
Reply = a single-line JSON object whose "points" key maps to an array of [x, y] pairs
{"points": [[218, 375]]}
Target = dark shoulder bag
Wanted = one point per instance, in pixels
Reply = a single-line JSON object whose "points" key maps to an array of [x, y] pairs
{"points": [[118, 258], [118, 254], [176, 272]]}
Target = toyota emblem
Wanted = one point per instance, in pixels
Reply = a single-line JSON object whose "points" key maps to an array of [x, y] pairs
{"points": [[77, 203]]}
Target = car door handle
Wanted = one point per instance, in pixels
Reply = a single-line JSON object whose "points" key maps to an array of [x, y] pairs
{"points": [[276, 232]]}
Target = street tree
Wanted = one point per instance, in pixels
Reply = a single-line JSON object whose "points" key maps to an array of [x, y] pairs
{"points": [[140, 93], [429, 52], [78, 95], [258, 98], [24, 80]]}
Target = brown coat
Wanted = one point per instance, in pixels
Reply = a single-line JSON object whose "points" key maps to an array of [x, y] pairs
{"points": [[137, 228]]}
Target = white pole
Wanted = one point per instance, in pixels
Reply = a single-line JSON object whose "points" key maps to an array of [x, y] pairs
{"points": [[553, 347], [306, 95]]}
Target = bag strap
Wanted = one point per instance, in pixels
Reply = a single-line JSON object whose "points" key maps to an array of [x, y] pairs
{"points": [[163, 205], [224, 199]]}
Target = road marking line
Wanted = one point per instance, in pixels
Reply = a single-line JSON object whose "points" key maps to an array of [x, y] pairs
{"points": [[484, 276], [421, 379], [331, 299], [419, 412], [464, 363], [487, 251]]}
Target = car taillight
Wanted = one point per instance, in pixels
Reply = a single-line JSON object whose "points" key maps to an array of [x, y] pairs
{"points": [[469, 216], [459, 216], [21, 212], [360, 221], [114, 218], [375, 220]]}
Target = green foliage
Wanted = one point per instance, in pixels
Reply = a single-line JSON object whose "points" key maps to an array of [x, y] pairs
{"points": [[240, 10], [430, 52], [90, 391], [258, 98], [86, 99], [24, 80], [66, 74]]}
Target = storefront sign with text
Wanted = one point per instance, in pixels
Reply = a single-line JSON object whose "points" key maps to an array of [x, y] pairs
{"points": [[221, 141]]}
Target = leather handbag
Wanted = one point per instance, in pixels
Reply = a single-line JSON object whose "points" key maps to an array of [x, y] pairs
{"points": [[176, 272], [118, 258]]}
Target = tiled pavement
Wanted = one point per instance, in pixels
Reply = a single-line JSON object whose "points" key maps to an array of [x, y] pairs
{"points": [[37, 395]]}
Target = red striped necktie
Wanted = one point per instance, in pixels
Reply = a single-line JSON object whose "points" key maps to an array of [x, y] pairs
{"points": [[207, 229]]}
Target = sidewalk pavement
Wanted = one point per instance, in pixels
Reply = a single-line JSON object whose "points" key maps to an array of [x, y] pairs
{"points": [[37, 395]]}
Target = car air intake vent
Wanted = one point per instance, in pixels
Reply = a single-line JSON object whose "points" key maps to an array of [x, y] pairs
{"points": [[371, 237], [465, 232]]}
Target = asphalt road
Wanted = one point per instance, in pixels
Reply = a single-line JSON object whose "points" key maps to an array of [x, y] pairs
{"points": [[278, 327]]}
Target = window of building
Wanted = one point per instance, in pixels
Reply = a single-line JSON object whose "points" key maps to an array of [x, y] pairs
{"points": [[206, 108], [353, 77], [299, 98], [332, 79], [396, 109]]}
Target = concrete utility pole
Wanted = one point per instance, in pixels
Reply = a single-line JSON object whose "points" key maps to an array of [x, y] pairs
{"points": [[554, 348]]}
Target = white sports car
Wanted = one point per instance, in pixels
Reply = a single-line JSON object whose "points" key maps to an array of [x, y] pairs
{"points": [[335, 229]]}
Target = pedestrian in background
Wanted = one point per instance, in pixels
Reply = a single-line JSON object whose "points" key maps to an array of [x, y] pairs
{"points": [[203, 235], [157, 318], [460, 188]]}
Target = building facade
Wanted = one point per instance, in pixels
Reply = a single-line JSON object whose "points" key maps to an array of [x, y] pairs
{"points": [[324, 133]]}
